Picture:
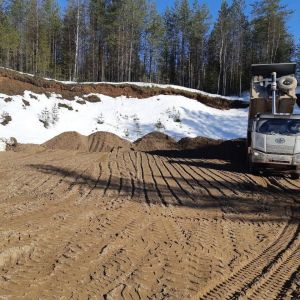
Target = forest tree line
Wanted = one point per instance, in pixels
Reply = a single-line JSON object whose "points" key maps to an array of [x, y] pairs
{"points": [[129, 40]]}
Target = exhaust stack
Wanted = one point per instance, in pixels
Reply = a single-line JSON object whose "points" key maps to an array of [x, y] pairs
{"points": [[274, 88]]}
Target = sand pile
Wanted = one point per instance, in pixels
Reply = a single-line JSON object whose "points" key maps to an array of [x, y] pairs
{"points": [[105, 142], [199, 147], [197, 143], [68, 141], [156, 141], [96, 142]]}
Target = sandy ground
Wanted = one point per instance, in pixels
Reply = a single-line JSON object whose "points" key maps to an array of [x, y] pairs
{"points": [[131, 225]]}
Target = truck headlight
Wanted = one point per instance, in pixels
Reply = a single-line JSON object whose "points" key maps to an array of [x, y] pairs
{"points": [[258, 156]]}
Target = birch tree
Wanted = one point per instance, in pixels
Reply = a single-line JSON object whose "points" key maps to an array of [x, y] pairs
{"points": [[75, 76]]}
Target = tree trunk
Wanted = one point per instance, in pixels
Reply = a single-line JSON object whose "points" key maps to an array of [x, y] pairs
{"points": [[75, 76]]}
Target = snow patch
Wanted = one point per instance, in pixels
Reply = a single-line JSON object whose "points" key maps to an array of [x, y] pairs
{"points": [[2, 146], [129, 118]]}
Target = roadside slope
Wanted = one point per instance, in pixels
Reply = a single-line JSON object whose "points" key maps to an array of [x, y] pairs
{"points": [[16, 83]]}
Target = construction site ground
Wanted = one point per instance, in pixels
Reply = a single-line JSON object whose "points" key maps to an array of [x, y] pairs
{"points": [[126, 224]]}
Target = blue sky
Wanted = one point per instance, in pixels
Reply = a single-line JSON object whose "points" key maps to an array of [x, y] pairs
{"points": [[214, 5]]}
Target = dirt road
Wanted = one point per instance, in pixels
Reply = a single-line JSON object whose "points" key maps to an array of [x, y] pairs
{"points": [[130, 225]]}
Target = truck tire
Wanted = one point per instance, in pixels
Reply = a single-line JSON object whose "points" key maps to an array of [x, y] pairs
{"points": [[287, 83], [295, 176], [253, 169]]}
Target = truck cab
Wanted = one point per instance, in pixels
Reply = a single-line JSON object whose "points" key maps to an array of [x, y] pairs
{"points": [[273, 129]]}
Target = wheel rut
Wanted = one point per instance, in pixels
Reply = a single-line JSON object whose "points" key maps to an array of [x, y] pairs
{"points": [[125, 224]]}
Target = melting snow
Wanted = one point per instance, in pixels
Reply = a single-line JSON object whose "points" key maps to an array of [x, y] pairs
{"points": [[129, 118]]}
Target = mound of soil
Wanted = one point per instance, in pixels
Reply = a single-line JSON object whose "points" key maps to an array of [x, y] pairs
{"points": [[96, 142], [197, 143], [29, 148], [14, 83], [202, 147], [68, 141], [232, 150], [105, 142], [156, 141]]}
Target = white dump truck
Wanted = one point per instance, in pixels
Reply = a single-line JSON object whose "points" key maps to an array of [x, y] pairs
{"points": [[273, 129]]}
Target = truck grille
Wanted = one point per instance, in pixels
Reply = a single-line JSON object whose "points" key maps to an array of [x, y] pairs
{"points": [[280, 149]]}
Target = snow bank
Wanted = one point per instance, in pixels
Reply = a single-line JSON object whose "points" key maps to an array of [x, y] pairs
{"points": [[129, 118], [155, 85]]}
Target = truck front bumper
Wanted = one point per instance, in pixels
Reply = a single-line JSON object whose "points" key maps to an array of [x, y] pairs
{"points": [[277, 168], [276, 162]]}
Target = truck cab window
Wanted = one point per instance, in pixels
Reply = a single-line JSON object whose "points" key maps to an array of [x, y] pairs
{"points": [[279, 126]]}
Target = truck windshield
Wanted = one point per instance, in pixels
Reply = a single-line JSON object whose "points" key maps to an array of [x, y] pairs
{"points": [[279, 126]]}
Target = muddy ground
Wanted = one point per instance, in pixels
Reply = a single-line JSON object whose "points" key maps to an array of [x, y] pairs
{"points": [[126, 224]]}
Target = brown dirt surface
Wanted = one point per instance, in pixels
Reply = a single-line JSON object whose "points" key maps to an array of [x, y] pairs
{"points": [[153, 143], [105, 142], [197, 143], [68, 141], [156, 141], [231, 150], [14, 83], [96, 142], [131, 225]]}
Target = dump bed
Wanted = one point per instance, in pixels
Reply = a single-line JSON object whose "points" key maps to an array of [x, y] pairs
{"points": [[261, 94]]}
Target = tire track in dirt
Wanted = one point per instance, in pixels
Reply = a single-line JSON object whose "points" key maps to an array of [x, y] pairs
{"points": [[207, 179], [133, 162], [174, 200], [237, 285], [290, 288], [271, 283], [154, 182], [130, 225], [142, 172], [180, 181], [130, 176]]}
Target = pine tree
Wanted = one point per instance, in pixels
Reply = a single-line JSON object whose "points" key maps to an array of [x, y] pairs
{"points": [[9, 38], [17, 13], [297, 59], [271, 40], [169, 59], [219, 44], [98, 38], [198, 36], [152, 42], [50, 39], [128, 40]]}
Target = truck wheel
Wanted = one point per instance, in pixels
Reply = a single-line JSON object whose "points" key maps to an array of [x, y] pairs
{"points": [[252, 169], [295, 176], [287, 83]]}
